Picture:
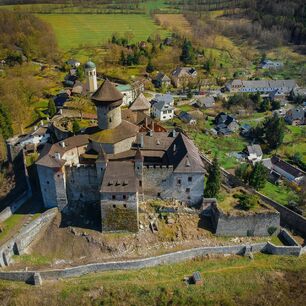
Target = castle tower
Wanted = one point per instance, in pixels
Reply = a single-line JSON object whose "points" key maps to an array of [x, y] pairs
{"points": [[108, 101], [91, 77]]}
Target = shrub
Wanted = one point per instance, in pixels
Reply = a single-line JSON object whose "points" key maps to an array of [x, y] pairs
{"points": [[247, 201]]}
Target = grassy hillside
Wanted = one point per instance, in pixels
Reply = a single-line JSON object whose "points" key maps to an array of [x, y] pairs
{"points": [[267, 280], [73, 30]]}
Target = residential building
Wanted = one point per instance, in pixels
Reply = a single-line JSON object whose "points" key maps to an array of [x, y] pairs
{"points": [[262, 86], [284, 169], [254, 153], [162, 80], [226, 124], [181, 76], [296, 116], [187, 118], [268, 64], [205, 102], [141, 104]]}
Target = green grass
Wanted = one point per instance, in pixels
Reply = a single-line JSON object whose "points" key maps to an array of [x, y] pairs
{"points": [[227, 281], [220, 146], [9, 224], [280, 194], [73, 30]]}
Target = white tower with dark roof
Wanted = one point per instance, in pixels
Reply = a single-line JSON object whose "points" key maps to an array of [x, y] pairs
{"points": [[91, 76]]}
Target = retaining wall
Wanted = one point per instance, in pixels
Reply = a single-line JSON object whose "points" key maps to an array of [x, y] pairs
{"points": [[270, 248], [18, 244]]}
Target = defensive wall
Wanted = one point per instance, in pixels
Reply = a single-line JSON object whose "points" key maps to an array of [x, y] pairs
{"points": [[28, 276]]}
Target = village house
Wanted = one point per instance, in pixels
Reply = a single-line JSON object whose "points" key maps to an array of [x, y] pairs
{"points": [[226, 124], [205, 102], [262, 86], [130, 91], [181, 76], [187, 118], [268, 64], [296, 116], [284, 169], [141, 104], [162, 110], [254, 153], [73, 63], [162, 80]]}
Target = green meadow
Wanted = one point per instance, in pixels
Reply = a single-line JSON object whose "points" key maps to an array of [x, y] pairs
{"points": [[74, 30]]}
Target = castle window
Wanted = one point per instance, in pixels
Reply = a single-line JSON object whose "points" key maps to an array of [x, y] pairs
{"points": [[187, 190], [189, 178], [114, 206], [140, 183], [124, 197], [158, 194], [124, 205], [110, 119], [179, 181], [113, 197], [81, 195], [48, 182]]}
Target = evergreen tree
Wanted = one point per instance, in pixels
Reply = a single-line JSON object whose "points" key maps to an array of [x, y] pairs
{"points": [[274, 128], [187, 56], [214, 180], [6, 129], [258, 176], [275, 105], [75, 127], [51, 108], [122, 60], [80, 73], [265, 105], [150, 68]]}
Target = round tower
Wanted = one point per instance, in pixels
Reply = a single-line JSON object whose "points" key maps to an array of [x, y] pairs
{"points": [[108, 101], [91, 76]]}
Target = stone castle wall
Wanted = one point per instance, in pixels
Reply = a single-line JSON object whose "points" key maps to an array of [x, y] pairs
{"points": [[109, 117], [82, 184], [253, 224]]}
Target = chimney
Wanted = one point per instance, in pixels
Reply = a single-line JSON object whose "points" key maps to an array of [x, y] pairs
{"points": [[151, 133], [62, 144], [61, 111], [174, 133], [35, 128], [41, 122], [146, 122], [141, 141], [57, 156], [174, 148], [152, 124]]}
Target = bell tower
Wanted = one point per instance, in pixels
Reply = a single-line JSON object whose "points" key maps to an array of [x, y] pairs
{"points": [[91, 77]]}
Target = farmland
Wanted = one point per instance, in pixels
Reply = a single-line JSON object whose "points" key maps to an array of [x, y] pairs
{"points": [[73, 30]]}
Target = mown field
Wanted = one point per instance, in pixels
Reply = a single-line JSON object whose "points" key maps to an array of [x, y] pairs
{"points": [[74, 30], [266, 280]]}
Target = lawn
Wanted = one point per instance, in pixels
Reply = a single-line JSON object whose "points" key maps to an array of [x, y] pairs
{"points": [[73, 30], [280, 194], [227, 281], [220, 146]]}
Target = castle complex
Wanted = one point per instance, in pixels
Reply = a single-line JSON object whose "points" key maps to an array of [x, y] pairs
{"points": [[117, 165]]}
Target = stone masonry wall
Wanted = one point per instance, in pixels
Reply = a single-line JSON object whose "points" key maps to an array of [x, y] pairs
{"points": [[255, 224], [82, 184], [18, 244]]}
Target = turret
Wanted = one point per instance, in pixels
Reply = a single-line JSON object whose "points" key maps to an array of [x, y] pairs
{"points": [[101, 164], [91, 77], [108, 101]]}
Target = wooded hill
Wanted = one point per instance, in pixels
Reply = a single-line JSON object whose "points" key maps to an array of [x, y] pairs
{"points": [[25, 34]]}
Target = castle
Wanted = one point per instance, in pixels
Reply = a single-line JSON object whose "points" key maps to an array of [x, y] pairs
{"points": [[118, 165]]}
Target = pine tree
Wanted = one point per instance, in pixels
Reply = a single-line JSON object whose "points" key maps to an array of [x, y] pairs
{"points": [[258, 177], [75, 127], [51, 108], [187, 56], [122, 60], [150, 68], [214, 180], [274, 128]]}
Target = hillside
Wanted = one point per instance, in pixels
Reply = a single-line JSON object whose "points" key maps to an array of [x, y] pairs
{"points": [[25, 34]]}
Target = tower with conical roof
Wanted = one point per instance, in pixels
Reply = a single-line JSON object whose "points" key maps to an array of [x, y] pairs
{"points": [[91, 77], [108, 101]]}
